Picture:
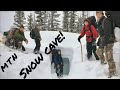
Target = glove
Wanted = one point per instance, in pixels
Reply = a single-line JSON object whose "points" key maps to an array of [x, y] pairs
{"points": [[94, 42], [79, 38], [26, 41]]}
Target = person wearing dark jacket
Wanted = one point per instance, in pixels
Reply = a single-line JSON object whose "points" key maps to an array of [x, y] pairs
{"points": [[100, 50], [58, 61], [107, 42], [37, 39], [91, 35]]}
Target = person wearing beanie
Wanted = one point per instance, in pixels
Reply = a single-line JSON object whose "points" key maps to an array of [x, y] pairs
{"points": [[91, 35], [19, 37]]}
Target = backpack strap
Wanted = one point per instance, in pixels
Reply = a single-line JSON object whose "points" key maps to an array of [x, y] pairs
{"points": [[89, 29]]}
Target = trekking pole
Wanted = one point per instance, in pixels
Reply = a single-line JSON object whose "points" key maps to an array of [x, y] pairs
{"points": [[81, 51]]}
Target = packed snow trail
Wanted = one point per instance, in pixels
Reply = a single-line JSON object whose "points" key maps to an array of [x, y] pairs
{"points": [[70, 48]]}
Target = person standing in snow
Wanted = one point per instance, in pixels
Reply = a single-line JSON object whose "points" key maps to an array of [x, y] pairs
{"points": [[19, 37], [37, 37], [100, 50], [91, 35], [107, 41], [60, 62]]}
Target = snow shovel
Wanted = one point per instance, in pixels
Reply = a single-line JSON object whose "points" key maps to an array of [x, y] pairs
{"points": [[81, 51]]}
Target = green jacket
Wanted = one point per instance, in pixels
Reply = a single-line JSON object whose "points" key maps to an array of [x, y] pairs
{"points": [[19, 35]]}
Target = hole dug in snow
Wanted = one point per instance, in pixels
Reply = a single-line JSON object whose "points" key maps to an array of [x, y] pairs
{"points": [[67, 55]]}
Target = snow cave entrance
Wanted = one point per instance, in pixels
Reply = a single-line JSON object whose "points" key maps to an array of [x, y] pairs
{"points": [[67, 55]]}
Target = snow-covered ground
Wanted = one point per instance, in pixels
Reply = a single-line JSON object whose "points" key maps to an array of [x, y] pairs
{"points": [[70, 48]]}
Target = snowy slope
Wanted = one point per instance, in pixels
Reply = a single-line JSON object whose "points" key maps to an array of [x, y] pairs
{"points": [[70, 48]]}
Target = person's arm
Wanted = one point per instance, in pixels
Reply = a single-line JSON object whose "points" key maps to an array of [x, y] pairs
{"points": [[82, 32]]}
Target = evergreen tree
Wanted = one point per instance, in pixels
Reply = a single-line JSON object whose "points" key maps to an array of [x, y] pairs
{"points": [[30, 22], [72, 23], [66, 21], [19, 18], [41, 19], [54, 21]]}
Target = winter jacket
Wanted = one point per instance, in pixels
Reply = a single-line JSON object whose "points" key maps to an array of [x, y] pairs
{"points": [[109, 36], [90, 35], [100, 31], [19, 36], [100, 28], [37, 34]]}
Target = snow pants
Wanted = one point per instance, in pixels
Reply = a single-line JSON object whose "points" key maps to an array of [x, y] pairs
{"points": [[91, 48], [37, 42], [108, 50]]}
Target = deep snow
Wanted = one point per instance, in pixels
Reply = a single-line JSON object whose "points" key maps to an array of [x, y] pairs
{"points": [[70, 48]]}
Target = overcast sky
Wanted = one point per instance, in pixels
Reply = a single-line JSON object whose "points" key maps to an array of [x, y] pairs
{"points": [[7, 18]]}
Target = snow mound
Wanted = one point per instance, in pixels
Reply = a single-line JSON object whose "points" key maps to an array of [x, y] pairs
{"points": [[70, 48]]}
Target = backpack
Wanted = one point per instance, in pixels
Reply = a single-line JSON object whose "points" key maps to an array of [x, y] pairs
{"points": [[115, 21], [11, 33], [92, 20], [115, 15], [32, 34]]}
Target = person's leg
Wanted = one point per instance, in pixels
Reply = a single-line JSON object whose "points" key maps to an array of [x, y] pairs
{"points": [[23, 48], [38, 44], [57, 70], [89, 49], [100, 53], [37, 47], [16, 43], [19, 44], [94, 51], [61, 70], [111, 63]]}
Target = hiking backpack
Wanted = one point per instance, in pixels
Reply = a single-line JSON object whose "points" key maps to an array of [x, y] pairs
{"points": [[115, 16], [92, 20], [32, 34]]}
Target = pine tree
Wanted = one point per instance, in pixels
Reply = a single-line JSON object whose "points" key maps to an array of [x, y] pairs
{"points": [[48, 20], [30, 22], [79, 24], [72, 23], [41, 19], [66, 21], [54, 21], [19, 18]]}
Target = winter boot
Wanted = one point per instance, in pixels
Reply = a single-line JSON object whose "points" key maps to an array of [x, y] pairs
{"points": [[36, 52], [89, 56]]}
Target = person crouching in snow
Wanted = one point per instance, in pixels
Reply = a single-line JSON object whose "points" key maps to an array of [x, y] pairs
{"points": [[91, 35], [19, 37]]}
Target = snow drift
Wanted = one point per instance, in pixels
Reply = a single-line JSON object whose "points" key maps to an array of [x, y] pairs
{"points": [[70, 48]]}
